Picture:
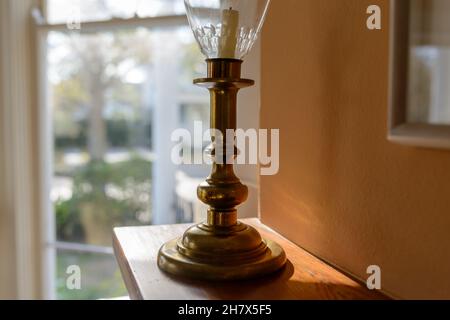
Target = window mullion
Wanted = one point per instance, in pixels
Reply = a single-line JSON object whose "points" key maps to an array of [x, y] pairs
{"points": [[80, 247], [108, 25]]}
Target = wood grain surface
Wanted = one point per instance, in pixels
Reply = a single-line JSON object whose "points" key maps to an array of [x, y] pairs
{"points": [[304, 277]]}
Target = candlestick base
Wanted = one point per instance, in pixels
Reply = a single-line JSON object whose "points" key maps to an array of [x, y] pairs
{"points": [[206, 252]]}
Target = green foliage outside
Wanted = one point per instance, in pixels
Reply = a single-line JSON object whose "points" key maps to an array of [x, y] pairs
{"points": [[90, 216], [100, 276], [105, 196]]}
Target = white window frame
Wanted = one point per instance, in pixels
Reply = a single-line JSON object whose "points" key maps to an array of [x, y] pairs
{"points": [[249, 119], [19, 217]]}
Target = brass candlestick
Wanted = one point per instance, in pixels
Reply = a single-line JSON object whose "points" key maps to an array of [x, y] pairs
{"points": [[222, 248]]}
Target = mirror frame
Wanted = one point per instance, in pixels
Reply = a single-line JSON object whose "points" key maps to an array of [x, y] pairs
{"points": [[400, 131]]}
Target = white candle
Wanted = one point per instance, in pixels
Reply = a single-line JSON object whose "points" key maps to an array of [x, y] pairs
{"points": [[228, 40]]}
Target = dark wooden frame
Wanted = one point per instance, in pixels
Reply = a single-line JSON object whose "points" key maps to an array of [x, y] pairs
{"points": [[400, 131]]}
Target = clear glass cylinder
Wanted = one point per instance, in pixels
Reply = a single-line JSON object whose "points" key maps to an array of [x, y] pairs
{"points": [[226, 28]]}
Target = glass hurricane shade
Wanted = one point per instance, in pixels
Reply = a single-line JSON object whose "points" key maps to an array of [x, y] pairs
{"points": [[226, 28]]}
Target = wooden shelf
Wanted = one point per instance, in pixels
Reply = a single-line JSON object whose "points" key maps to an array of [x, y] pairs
{"points": [[304, 278]]}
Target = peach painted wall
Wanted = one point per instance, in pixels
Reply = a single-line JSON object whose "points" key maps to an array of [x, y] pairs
{"points": [[344, 192]]}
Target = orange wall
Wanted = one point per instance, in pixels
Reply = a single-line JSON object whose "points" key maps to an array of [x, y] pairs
{"points": [[343, 191]]}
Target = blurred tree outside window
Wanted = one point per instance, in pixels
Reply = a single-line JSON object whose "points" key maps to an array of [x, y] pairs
{"points": [[105, 91]]}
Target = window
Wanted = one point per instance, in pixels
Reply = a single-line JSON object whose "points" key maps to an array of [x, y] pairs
{"points": [[115, 91]]}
